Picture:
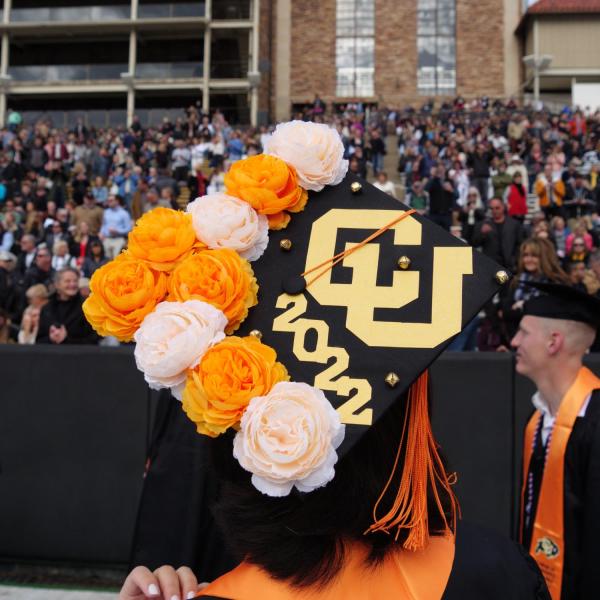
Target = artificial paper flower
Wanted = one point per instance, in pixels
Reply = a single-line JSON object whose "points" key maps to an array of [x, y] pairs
{"points": [[229, 375], [289, 438], [269, 185], [123, 292]]}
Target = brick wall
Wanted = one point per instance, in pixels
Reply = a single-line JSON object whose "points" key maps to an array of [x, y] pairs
{"points": [[313, 50], [480, 47], [395, 51]]}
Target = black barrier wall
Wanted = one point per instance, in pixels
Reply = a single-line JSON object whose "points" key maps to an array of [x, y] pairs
{"points": [[74, 429]]}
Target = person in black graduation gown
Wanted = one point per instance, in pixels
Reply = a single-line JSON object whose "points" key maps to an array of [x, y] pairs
{"points": [[557, 329]]}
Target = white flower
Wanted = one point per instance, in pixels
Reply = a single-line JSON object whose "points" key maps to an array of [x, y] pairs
{"points": [[173, 338], [313, 149], [222, 221], [288, 438]]}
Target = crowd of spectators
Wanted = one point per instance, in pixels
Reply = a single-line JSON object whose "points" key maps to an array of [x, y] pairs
{"points": [[521, 185]]}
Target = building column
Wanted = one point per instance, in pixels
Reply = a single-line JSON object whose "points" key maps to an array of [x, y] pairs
{"points": [[4, 59], [207, 58], [536, 54], [283, 56], [253, 66], [131, 71]]}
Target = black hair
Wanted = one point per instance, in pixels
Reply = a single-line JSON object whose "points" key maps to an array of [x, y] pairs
{"points": [[301, 538]]}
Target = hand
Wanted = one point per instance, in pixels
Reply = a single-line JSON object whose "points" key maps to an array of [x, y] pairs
{"points": [[58, 334], [502, 348], [486, 228], [448, 186], [164, 584], [518, 305], [112, 230]]}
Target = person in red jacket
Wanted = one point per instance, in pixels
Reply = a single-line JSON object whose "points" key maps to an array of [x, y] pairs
{"points": [[516, 198]]}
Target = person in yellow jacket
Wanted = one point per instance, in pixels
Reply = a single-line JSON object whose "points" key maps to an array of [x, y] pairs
{"points": [[560, 523], [550, 192]]}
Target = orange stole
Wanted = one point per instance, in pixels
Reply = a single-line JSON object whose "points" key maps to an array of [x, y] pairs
{"points": [[547, 539], [404, 575]]}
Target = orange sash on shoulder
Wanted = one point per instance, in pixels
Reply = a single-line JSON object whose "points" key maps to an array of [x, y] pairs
{"points": [[547, 539], [405, 575]]}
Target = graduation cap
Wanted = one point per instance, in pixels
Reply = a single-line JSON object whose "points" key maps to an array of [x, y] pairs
{"points": [[358, 296], [559, 301]]}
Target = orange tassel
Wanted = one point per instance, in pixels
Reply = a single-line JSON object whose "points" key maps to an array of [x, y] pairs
{"points": [[422, 466]]}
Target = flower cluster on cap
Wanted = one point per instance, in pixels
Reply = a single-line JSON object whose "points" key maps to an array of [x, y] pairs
{"points": [[185, 284]]}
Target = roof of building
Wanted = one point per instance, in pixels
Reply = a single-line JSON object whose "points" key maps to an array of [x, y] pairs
{"points": [[547, 7], [558, 7]]}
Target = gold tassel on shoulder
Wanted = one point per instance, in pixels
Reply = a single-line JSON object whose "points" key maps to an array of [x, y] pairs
{"points": [[422, 467]]}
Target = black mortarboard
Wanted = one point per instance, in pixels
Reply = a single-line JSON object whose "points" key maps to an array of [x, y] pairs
{"points": [[560, 301], [367, 317]]}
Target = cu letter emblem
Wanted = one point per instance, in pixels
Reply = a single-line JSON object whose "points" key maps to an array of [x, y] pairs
{"points": [[363, 295]]}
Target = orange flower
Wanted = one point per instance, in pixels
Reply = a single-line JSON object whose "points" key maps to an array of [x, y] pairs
{"points": [[163, 237], [219, 277], [123, 292], [269, 185], [229, 375]]}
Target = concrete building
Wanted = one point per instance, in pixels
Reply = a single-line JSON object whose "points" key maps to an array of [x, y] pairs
{"points": [[106, 59], [566, 33]]}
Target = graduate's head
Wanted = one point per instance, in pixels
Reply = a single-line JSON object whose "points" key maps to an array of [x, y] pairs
{"points": [[297, 331], [557, 328]]}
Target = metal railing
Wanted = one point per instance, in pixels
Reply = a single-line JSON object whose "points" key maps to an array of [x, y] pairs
{"points": [[170, 70], [171, 10], [50, 73], [71, 13]]}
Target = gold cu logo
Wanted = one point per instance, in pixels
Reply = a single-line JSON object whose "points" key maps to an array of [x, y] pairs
{"points": [[363, 295]]}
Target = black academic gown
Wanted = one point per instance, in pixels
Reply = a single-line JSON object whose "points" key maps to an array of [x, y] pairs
{"points": [[581, 575], [174, 524], [486, 567]]}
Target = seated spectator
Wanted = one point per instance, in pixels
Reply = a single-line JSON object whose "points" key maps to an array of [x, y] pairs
{"points": [[94, 260], [385, 185], [592, 280], [80, 247], [579, 231], [471, 214], [8, 295], [84, 287], [61, 259], [153, 200], [550, 192], [8, 332], [217, 181], [537, 262], [559, 233], [418, 198], [576, 272], [499, 237], [41, 270], [100, 191], [62, 320], [90, 213], [578, 202], [516, 198], [501, 180], [30, 324], [578, 252], [116, 224], [55, 233]]}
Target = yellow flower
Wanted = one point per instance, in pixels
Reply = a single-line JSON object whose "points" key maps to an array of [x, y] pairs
{"points": [[218, 277], [123, 292], [162, 238], [269, 185], [229, 375]]}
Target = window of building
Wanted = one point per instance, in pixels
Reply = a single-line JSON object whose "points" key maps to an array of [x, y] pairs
{"points": [[436, 45], [355, 47]]}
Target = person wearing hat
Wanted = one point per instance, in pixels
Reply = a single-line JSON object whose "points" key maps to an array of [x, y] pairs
{"points": [[312, 389], [516, 165], [550, 192], [560, 525], [8, 299]]}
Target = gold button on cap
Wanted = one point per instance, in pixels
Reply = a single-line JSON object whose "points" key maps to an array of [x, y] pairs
{"points": [[285, 244], [392, 379], [502, 277], [257, 333], [355, 187], [404, 262]]}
